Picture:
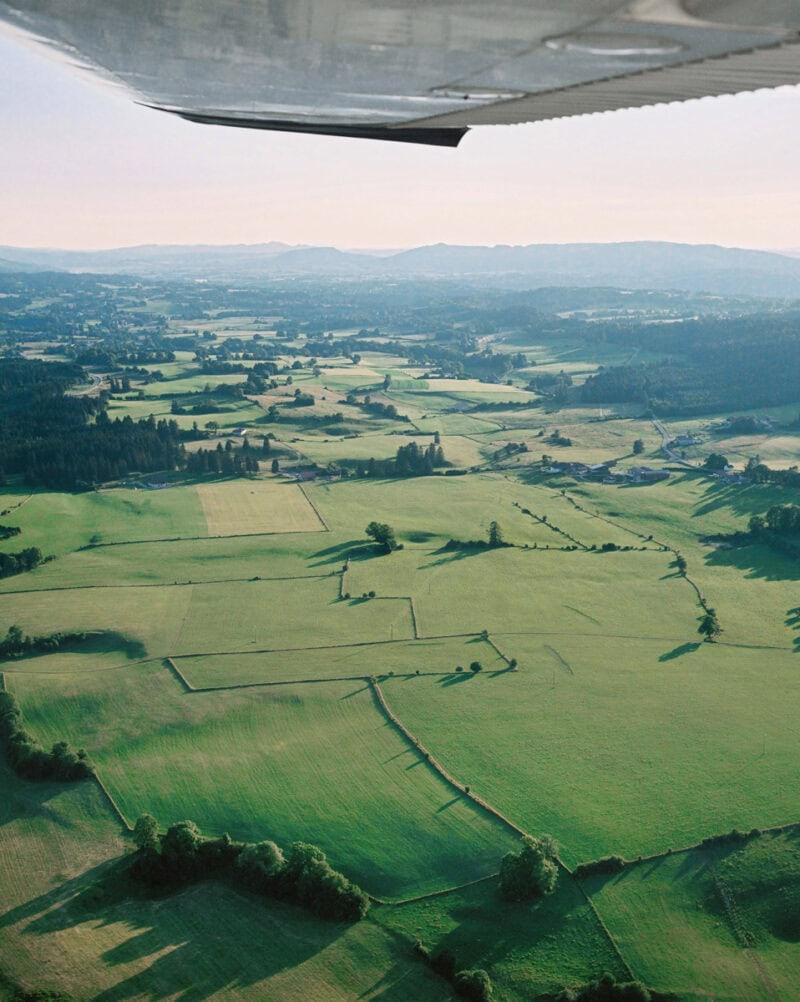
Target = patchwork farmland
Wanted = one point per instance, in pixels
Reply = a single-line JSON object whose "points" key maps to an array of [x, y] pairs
{"points": [[244, 651]]}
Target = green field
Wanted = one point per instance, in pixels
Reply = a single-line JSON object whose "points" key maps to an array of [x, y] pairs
{"points": [[531, 950], [670, 920], [268, 764], [627, 747], [597, 714], [65, 924], [398, 657]]}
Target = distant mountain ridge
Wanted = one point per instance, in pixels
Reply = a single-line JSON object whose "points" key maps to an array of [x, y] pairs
{"points": [[639, 265]]}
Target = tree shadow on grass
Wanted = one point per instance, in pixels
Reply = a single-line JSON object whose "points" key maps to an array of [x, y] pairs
{"points": [[678, 652], [450, 556], [180, 930], [461, 676], [518, 928], [755, 561], [95, 642], [354, 549]]}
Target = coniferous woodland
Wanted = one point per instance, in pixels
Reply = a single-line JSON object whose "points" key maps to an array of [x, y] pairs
{"points": [[68, 442]]}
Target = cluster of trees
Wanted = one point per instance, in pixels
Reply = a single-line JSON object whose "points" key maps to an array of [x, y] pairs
{"points": [[606, 864], [532, 872], [607, 989], [8, 531], [228, 462], [779, 527], [709, 627], [383, 535], [17, 644], [17, 563], [375, 407], [27, 757], [553, 385], [410, 461], [474, 984], [760, 473], [113, 358], [781, 519], [303, 875], [495, 540], [726, 362]]}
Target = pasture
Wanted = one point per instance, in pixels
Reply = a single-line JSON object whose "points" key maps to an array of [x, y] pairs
{"points": [[311, 763], [669, 918], [240, 508], [402, 657], [534, 949], [619, 733], [619, 745]]}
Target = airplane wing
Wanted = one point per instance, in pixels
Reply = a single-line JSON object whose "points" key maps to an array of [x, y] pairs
{"points": [[416, 70]]}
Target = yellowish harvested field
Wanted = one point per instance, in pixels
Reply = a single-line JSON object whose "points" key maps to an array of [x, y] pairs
{"points": [[245, 507]]}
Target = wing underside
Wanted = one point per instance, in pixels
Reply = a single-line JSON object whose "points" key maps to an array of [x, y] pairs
{"points": [[416, 70]]}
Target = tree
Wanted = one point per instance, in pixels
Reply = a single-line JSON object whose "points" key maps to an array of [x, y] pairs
{"points": [[475, 986], [638, 447], [709, 625], [260, 864], [716, 462], [531, 872], [145, 833], [383, 535], [495, 534], [387, 381], [276, 466]]}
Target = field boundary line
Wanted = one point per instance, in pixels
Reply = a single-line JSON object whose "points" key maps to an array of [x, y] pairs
{"points": [[435, 764], [167, 584], [701, 600], [612, 942], [264, 650], [314, 508], [185, 683], [487, 808], [740, 933], [323, 647], [494, 647], [114, 805], [414, 619], [198, 539], [433, 894]]}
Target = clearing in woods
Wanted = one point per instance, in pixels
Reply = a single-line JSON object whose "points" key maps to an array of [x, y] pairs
{"points": [[245, 508]]}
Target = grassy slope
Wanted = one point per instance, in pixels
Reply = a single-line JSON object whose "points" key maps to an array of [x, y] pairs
{"points": [[614, 746], [527, 949], [269, 764], [669, 919], [62, 926]]}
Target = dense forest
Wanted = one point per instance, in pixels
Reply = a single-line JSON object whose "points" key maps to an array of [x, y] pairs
{"points": [[68, 442], [714, 364]]}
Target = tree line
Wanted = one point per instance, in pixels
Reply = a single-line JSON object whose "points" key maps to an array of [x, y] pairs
{"points": [[410, 461], [23, 560], [28, 758], [302, 875]]}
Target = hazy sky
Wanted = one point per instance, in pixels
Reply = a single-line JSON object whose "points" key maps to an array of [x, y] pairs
{"points": [[82, 166]]}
